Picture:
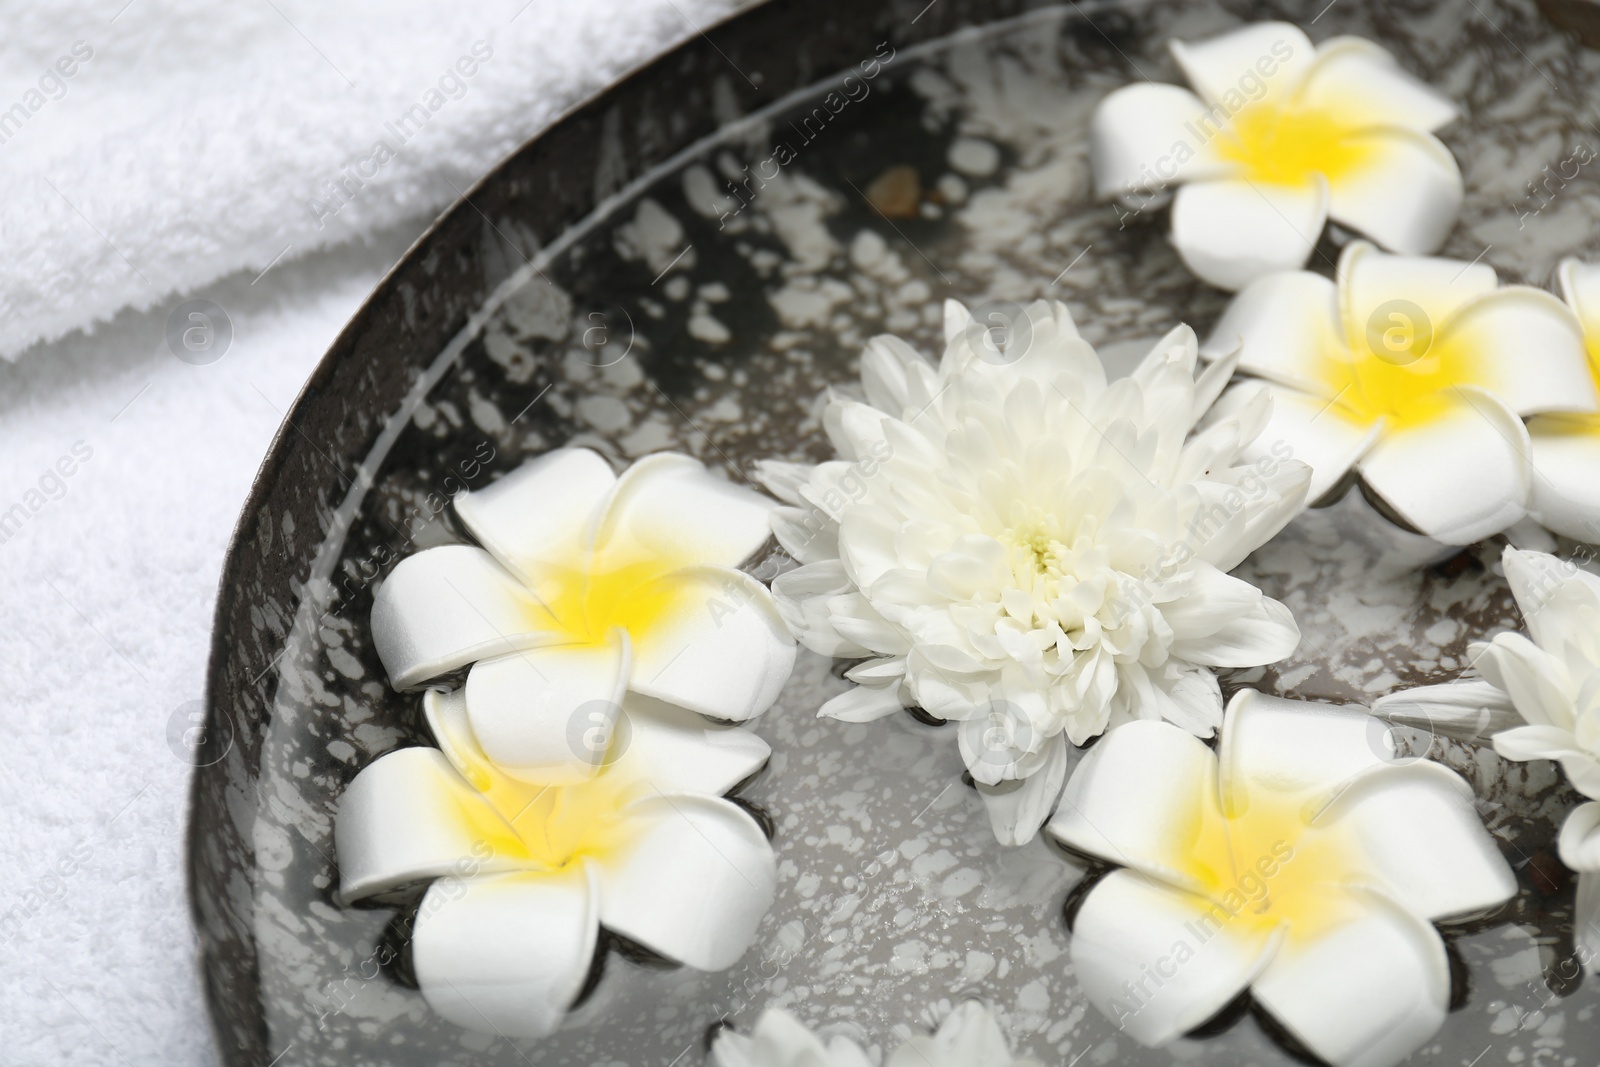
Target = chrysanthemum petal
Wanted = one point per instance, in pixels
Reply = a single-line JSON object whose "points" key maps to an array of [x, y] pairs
{"points": [[546, 715], [1129, 926], [1580, 837], [1361, 83], [668, 506], [1553, 743], [1215, 65], [1019, 807], [542, 512], [410, 816], [1230, 231], [968, 1037], [1534, 678], [1459, 476], [802, 596], [1286, 326], [446, 607], [1420, 834], [779, 1040], [1527, 348], [1117, 805], [694, 879], [1366, 993], [1405, 194], [720, 649], [1471, 710], [1140, 139], [506, 953], [1565, 454], [1264, 634], [864, 703]]}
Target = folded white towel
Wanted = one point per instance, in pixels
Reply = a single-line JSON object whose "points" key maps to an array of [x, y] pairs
{"points": [[148, 147]]}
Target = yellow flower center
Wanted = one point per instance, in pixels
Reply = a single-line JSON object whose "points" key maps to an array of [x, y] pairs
{"points": [[586, 604], [1286, 145], [1396, 367], [1263, 863]]}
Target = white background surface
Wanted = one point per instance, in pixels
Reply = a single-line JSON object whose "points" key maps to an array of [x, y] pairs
{"points": [[106, 591]]}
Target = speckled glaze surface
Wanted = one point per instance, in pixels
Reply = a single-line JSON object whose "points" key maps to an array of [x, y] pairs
{"points": [[603, 288]]}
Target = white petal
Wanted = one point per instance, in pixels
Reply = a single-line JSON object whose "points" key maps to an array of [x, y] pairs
{"points": [[541, 513], [1130, 927], [888, 366], [506, 954], [1286, 326], [1294, 747], [1459, 476], [1421, 835], [1527, 349], [1555, 594], [806, 533], [721, 649], [1118, 803], [968, 1037], [1551, 742], [448, 606], [803, 595], [1134, 134], [410, 816], [1404, 194], [1580, 838], [779, 1040], [1018, 808], [1566, 494], [1231, 231], [1365, 994], [1369, 279], [1471, 710], [864, 703], [546, 715], [1279, 52], [1361, 83], [692, 883], [1535, 680], [1586, 920], [1323, 434], [678, 751], [1580, 287], [1265, 634], [668, 506]]}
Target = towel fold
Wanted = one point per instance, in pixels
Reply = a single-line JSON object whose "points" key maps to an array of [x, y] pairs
{"points": [[148, 147]]}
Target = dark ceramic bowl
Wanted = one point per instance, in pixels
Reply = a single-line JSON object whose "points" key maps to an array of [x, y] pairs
{"points": [[603, 286]]}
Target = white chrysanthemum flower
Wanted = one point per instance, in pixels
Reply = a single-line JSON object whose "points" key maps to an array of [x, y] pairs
{"points": [[1015, 543], [1279, 136], [968, 1037], [1539, 698]]}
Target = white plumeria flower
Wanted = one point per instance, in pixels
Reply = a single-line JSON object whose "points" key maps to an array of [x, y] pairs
{"points": [[1539, 698], [524, 875], [1300, 861], [1566, 448], [1282, 136], [1031, 550], [1412, 372], [589, 586], [968, 1037]]}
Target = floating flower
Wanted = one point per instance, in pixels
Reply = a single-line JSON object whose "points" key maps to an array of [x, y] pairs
{"points": [[524, 875], [1300, 861], [588, 586], [1566, 448], [1538, 699], [1411, 372], [1282, 136], [1022, 547], [968, 1037]]}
